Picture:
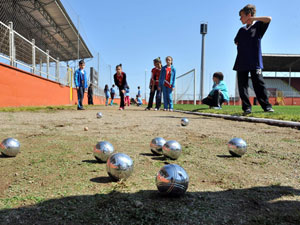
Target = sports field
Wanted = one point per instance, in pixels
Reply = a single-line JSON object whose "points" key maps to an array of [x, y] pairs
{"points": [[56, 180]]}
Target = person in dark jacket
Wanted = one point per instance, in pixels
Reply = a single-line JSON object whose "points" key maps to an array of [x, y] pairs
{"points": [[121, 83], [90, 95], [249, 58]]}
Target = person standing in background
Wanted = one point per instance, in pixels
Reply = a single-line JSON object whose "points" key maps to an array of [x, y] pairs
{"points": [[112, 94], [80, 78], [121, 82], [90, 95], [154, 83], [106, 93], [127, 96], [167, 83]]}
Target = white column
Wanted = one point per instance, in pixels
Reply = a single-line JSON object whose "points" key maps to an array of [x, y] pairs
{"points": [[48, 63], [57, 70], [33, 56], [11, 44]]}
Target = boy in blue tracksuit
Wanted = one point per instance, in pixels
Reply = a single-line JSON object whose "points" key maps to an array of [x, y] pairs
{"points": [[167, 83], [80, 78], [218, 94]]}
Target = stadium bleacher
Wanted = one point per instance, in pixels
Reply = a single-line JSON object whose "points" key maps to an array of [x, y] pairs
{"points": [[278, 85], [295, 82]]}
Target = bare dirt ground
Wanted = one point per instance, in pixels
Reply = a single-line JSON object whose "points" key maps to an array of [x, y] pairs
{"points": [[56, 180]]}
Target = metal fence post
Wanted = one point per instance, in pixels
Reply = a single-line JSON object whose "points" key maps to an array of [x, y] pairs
{"points": [[11, 44], [33, 56], [57, 70], [48, 63], [41, 65]]}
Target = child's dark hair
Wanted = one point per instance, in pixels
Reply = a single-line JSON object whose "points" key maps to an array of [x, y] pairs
{"points": [[248, 9], [120, 65], [81, 62], [139, 87], [219, 75], [157, 60], [106, 87]]}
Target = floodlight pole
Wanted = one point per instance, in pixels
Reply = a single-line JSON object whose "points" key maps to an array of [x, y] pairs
{"points": [[203, 31], [145, 83], [78, 38]]}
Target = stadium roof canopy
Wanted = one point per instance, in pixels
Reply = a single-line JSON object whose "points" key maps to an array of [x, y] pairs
{"points": [[48, 23], [281, 62]]}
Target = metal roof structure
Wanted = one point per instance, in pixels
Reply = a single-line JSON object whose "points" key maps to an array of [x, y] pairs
{"points": [[48, 23], [281, 62]]}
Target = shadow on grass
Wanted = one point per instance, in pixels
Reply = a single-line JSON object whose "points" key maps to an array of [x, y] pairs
{"points": [[6, 156], [102, 180], [226, 156], [147, 154], [159, 158], [93, 161], [255, 206]]}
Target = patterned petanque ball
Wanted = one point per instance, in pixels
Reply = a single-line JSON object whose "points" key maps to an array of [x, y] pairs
{"points": [[237, 147], [119, 166], [172, 180], [172, 149], [99, 115], [184, 121], [10, 147], [156, 145], [103, 150]]}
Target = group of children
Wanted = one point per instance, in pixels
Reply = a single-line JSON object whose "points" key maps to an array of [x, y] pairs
{"points": [[248, 60], [162, 81], [109, 92]]}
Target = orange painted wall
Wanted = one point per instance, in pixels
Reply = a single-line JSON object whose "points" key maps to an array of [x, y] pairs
{"points": [[20, 88]]}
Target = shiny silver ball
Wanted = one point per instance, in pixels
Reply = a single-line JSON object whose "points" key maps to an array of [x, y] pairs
{"points": [[172, 180], [99, 115], [10, 147], [103, 150], [156, 145], [237, 147], [172, 149], [119, 166], [184, 121]]}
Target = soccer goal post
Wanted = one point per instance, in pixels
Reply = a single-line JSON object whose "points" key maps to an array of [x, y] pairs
{"points": [[185, 88]]}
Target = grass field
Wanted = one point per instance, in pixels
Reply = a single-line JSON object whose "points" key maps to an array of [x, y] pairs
{"points": [[56, 180], [291, 113]]}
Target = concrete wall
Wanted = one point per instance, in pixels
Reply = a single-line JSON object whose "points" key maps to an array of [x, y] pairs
{"points": [[20, 88]]}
